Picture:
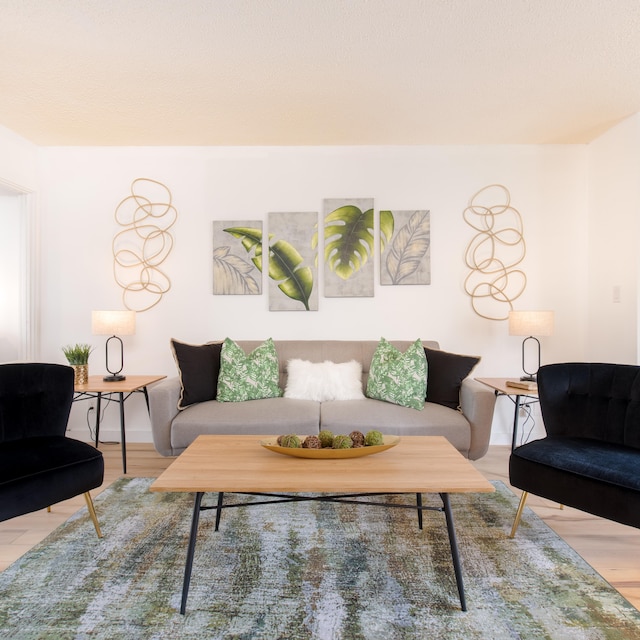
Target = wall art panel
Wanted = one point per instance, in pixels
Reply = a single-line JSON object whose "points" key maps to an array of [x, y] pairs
{"points": [[348, 231], [143, 244], [237, 257], [405, 247], [493, 254], [293, 259]]}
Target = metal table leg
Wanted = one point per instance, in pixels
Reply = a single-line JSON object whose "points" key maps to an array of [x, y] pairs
{"points": [[191, 550], [455, 556]]}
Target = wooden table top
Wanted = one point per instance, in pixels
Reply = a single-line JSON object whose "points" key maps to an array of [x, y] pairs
{"points": [[500, 384], [96, 384], [418, 464]]}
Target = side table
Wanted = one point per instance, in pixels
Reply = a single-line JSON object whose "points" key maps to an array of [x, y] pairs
{"points": [[96, 387], [499, 385]]}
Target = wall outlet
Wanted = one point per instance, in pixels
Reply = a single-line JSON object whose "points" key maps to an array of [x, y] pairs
{"points": [[617, 293]]}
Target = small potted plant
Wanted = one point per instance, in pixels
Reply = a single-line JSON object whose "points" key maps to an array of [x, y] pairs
{"points": [[77, 356]]}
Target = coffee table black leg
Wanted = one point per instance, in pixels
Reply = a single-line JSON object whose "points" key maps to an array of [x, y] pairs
{"points": [[219, 508], [191, 550], [455, 556], [419, 506]]}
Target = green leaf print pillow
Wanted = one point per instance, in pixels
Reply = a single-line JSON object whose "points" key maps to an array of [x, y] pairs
{"points": [[248, 377], [400, 378]]}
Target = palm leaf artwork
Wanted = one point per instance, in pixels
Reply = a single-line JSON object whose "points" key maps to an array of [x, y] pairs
{"points": [[406, 253], [251, 239], [296, 282], [349, 240], [231, 274]]}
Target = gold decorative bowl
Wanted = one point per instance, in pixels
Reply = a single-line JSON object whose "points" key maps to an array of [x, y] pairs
{"points": [[328, 453]]}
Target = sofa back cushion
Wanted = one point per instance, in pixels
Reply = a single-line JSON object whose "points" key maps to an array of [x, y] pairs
{"points": [[446, 373], [198, 368], [334, 350], [248, 376], [399, 377]]}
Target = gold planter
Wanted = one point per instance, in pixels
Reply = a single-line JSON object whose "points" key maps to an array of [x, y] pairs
{"points": [[80, 374]]}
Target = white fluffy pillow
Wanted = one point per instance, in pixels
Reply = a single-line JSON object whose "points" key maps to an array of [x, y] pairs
{"points": [[322, 381]]}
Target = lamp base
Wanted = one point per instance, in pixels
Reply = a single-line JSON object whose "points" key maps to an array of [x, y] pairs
{"points": [[114, 378], [528, 378]]}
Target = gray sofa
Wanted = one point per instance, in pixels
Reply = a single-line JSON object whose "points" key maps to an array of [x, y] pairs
{"points": [[468, 427]]}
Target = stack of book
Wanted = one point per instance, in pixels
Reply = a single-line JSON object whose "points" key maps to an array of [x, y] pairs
{"points": [[527, 385]]}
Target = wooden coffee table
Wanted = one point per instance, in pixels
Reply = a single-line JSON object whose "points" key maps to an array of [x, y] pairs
{"points": [[239, 464]]}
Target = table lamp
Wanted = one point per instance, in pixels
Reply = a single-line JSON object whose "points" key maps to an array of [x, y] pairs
{"points": [[114, 324], [530, 324]]}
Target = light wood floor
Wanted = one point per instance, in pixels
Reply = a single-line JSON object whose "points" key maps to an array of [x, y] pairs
{"points": [[612, 549]]}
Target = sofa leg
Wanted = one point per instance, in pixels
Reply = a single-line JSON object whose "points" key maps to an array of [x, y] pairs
{"points": [[92, 513], [516, 522]]}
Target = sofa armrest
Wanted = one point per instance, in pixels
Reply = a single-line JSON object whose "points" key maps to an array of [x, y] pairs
{"points": [[477, 402], [163, 408]]}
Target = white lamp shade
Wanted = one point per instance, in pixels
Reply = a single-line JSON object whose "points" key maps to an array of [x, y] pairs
{"points": [[531, 323], [113, 323]]}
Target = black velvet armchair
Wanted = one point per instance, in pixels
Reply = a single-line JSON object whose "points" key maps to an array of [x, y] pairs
{"points": [[39, 465], [590, 459]]}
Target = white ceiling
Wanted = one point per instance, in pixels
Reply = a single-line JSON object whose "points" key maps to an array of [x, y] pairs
{"points": [[317, 72]]}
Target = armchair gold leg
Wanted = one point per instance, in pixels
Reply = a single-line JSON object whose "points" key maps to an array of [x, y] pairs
{"points": [[516, 522], [92, 513]]}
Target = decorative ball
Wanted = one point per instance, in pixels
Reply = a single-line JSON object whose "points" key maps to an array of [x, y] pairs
{"points": [[326, 438], [311, 442], [357, 437], [373, 438], [342, 442], [291, 441]]}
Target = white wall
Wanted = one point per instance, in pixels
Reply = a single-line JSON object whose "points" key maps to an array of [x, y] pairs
{"points": [[82, 186], [18, 162], [614, 237]]}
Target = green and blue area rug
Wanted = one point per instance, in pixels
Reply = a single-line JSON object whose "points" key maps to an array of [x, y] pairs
{"points": [[305, 571]]}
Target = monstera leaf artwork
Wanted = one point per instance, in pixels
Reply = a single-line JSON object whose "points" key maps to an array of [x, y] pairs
{"points": [[348, 245], [349, 240], [405, 251]]}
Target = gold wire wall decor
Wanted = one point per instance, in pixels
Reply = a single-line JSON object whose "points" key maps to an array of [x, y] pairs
{"points": [[143, 244], [493, 254]]}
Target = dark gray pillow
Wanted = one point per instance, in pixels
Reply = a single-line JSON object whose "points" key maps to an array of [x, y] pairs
{"points": [[446, 371], [198, 368]]}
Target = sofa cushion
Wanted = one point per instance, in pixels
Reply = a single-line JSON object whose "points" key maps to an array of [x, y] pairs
{"points": [[392, 419], [198, 368], [322, 381], [266, 417], [396, 377], [446, 373], [248, 377]]}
